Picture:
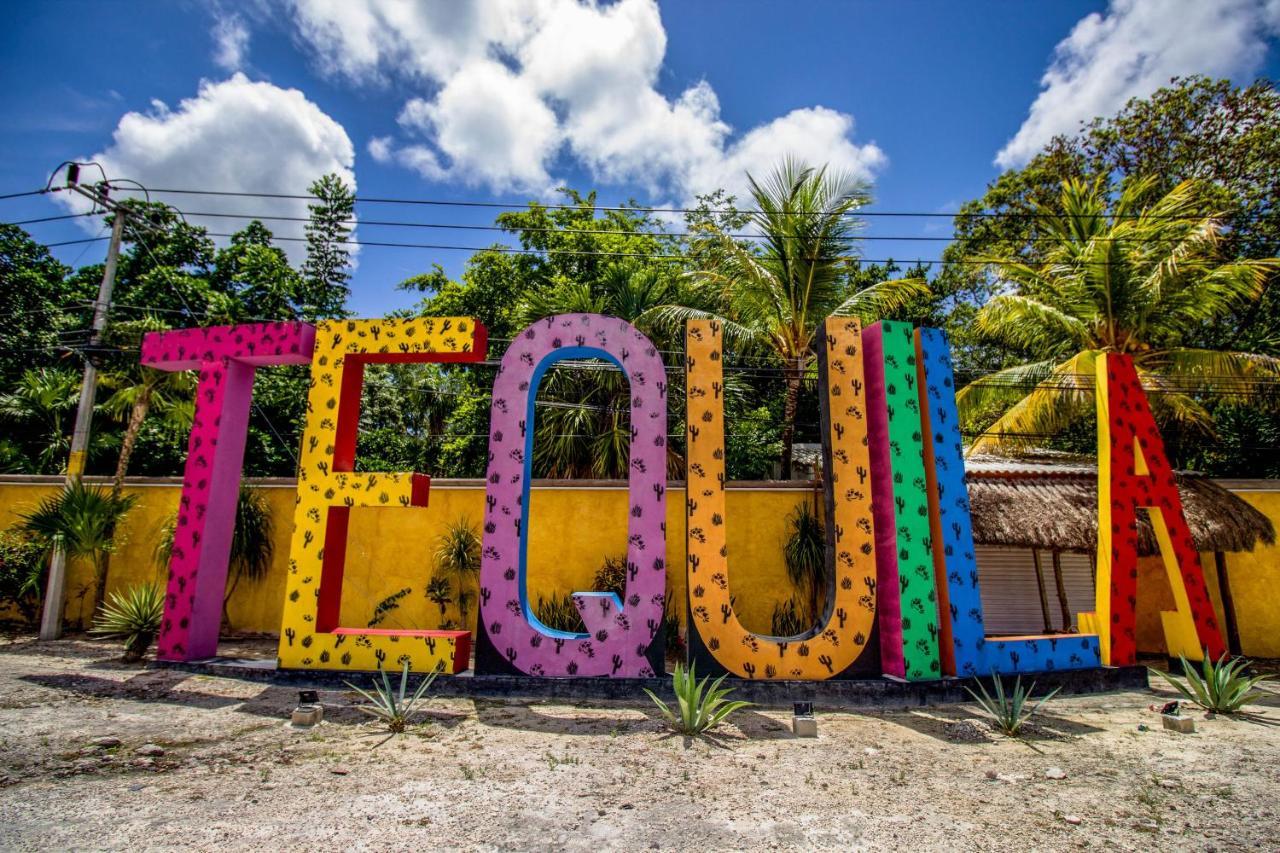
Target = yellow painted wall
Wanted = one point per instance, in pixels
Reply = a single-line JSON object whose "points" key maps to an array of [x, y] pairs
{"points": [[573, 530]]}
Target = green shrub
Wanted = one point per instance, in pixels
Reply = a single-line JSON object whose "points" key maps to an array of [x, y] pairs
{"points": [[135, 615], [560, 613], [612, 576], [23, 562], [699, 707], [790, 619], [1223, 688]]}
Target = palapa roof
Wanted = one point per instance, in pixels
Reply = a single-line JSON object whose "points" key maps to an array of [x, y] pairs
{"points": [[1054, 506]]}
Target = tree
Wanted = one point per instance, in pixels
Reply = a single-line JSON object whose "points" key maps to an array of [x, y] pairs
{"points": [[325, 273], [258, 275], [1225, 138], [34, 298], [1141, 277], [137, 390], [775, 294], [42, 403]]}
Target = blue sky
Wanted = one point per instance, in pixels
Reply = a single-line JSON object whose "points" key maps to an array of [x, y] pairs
{"points": [[502, 100]]}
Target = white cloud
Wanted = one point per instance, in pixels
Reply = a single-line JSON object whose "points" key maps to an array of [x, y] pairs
{"points": [[236, 135], [510, 87], [230, 42], [1134, 49]]}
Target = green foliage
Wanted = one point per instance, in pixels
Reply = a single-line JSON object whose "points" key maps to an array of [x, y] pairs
{"points": [[457, 556], [612, 575], [134, 615], [325, 273], [23, 561], [33, 295], [82, 520], [386, 605], [698, 707], [1140, 276], [805, 553], [790, 618], [1008, 710], [559, 613], [394, 707], [1221, 687], [774, 295]]}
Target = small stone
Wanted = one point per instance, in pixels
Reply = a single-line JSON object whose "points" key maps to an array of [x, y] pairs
{"points": [[1055, 773], [1143, 727], [871, 750], [339, 771], [1074, 820], [105, 742], [1169, 783], [992, 775], [149, 750], [627, 806]]}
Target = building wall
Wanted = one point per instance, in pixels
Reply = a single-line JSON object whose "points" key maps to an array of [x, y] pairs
{"points": [[574, 528]]}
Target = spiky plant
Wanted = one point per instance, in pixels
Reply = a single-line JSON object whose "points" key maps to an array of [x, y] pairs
{"points": [[133, 614], [805, 553], [1223, 688], [394, 706], [458, 558], [699, 707], [560, 613], [1008, 710]]}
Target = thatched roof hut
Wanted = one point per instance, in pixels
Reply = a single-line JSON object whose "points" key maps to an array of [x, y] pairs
{"points": [[1054, 507]]}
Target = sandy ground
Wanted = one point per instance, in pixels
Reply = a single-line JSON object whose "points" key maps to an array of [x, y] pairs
{"points": [[524, 775]]}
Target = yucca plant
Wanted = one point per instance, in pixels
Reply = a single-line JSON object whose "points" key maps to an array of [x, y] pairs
{"points": [[394, 707], [1009, 710], [1223, 688], [458, 558], [134, 615], [698, 707]]}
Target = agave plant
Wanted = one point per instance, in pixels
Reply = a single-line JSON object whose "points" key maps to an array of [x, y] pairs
{"points": [[1009, 709], [698, 707], [1222, 689], [134, 615], [394, 707], [458, 558]]}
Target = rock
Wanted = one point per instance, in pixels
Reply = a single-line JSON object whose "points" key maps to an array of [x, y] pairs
{"points": [[105, 742], [627, 806], [967, 731], [1055, 773], [992, 775], [1074, 820], [1170, 783], [871, 750], [339, 771], [149, 750]]}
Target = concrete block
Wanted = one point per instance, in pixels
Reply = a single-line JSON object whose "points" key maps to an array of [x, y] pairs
{"points": [[307, 715], [1175, 723], [804, 726]]}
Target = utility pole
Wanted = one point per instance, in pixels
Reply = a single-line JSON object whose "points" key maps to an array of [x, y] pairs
{"points": [[51, 618]]}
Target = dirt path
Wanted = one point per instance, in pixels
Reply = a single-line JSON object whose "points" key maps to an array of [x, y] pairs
{"points": [[520, 775]]}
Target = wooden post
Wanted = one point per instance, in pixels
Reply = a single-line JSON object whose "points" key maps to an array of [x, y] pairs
{"points": [[1062, 591], [1044, 595], [1228, 604]]}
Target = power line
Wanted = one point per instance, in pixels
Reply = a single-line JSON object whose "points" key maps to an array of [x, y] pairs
{"points": [[22, 195]]}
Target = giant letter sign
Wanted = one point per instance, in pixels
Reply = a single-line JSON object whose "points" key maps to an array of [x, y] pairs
{"points": [[965, 650], [328, 488], [904, 556], [842, 631], [226, 357], [1132, 473], [619, 637]]}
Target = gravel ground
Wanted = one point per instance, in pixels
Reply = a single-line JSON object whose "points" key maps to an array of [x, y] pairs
{"points": [[207, 763]]}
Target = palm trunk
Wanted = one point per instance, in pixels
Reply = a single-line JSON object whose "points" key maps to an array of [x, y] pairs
{"points": [[794, 373], [136, 416]]}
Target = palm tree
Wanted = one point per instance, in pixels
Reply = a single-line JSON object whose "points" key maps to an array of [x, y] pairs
{"points": [[82, 521], [1130, 279], [775, 293], [44, 399], [139, 390]]}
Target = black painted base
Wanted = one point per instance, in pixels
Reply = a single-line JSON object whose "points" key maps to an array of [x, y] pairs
{"points": [[825, 694]]}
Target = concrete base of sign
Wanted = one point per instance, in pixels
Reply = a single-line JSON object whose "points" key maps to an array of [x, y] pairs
{"points": [[1176, 723], [307, 715], [856, 693], [804, 726]]}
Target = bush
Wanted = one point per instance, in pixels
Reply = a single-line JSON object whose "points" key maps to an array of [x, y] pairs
{"points": [[23, 562], [1223, 689], [560, 613], [698, 707]]}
